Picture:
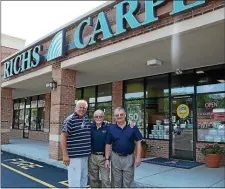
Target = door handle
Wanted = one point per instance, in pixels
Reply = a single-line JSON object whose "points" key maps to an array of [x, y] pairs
{"points": [[191, 141]]}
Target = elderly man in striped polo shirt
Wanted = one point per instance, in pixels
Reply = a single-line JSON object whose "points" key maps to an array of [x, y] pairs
{"points": [[76, 145]]}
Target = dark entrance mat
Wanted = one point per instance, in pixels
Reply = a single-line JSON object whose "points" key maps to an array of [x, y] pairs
{"points": [[173, 163]]}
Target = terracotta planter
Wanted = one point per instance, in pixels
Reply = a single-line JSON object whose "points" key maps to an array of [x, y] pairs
{"points": [[213, 160], [143, 153]]}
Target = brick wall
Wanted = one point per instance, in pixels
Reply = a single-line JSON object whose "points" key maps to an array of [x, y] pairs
{"points": [[201, 158], [47, 111], [62, 105], [39, 135], [6, 51], [158, 148], [18, 133], [117, 94], [162, 13], [6, 114]]}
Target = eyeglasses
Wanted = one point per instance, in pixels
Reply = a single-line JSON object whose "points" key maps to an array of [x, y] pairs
{"points": [[119, 115], [98, 117]]}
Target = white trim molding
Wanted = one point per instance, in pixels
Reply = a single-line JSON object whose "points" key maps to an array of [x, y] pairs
{"points": [[30, 75]]}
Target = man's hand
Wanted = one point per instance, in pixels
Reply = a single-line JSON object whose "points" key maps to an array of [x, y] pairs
{"points": [[131, 124], [66, 160], [107, 164], [137, 162]]}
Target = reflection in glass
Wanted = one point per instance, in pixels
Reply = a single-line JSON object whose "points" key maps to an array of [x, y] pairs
{"points": [[182, 125], [157, 118], [91, 110], [89, 94], [134, 89], [157, 86], [21, 118], [41, 113], [78, 95], [106, 107], [104, 93], [27, 113], [34, 113], [135, 112], [16, 119], [16, 114], [40, 119], [183, 84], [211, 117], [211, 79]]}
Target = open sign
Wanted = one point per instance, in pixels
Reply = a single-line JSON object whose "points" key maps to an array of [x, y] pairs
{"points": [[211, 105]]}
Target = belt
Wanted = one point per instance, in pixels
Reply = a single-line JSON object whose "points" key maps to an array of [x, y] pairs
{"points": [[123, 155], [98, 153]]}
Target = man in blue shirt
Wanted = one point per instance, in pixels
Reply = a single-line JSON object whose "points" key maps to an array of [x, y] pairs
{"points": [[97, 157], [76, 145], [122, 138]]}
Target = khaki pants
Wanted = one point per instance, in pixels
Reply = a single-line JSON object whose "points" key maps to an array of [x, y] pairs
{"points": [[96, 165], [122, 171]]}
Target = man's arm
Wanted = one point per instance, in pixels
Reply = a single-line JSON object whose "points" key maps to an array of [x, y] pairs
{"points": [[107, 151], [138, 138], [63, 141], [138, 152], [108, 148]]}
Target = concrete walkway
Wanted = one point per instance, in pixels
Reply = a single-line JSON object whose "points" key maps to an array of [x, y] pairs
{"points": [[147, 175]]}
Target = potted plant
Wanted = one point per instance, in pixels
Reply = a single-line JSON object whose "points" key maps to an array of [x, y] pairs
{"points": [[144, 148], [213, 154]]}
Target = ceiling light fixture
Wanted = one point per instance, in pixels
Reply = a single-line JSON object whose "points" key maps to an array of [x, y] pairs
{"points": [[200, 72], [154, 62]]}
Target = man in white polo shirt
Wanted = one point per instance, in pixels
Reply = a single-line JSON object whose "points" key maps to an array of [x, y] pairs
{"points": [[76, 145]]}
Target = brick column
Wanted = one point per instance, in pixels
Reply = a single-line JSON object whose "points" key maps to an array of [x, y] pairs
{"points": [[6, 114], [117, 95], [47, 112], [62, 105]]}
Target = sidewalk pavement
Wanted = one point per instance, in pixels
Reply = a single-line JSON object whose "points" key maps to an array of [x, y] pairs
{"points": [[147, 175]]}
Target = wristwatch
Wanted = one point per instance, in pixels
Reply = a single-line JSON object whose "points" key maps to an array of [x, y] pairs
{"points": [[107, 159]]}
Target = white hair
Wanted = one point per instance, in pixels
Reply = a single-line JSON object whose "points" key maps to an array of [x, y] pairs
{"points": [[119, 109], [99, 111], [79, 102]]}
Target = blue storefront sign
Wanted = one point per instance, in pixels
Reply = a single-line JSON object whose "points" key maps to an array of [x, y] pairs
{"points": [[124, 17]]}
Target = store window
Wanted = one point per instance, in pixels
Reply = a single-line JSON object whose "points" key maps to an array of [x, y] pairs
{"points": [[134, 89], [211, 79], [134, 102], [157, 86], [211, 117], [41, 113], [27, 112], [16, 114], [157, 118], [135, 112], [78, 95], [104, 100], [21, 115], [90, 96], [183, 84], [33, 113], [157, 107]]}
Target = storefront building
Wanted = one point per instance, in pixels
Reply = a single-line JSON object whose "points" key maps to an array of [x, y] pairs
{"points": [[162, 61]]}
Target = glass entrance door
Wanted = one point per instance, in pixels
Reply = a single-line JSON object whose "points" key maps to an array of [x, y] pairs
{"points": [[182, 123]]}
